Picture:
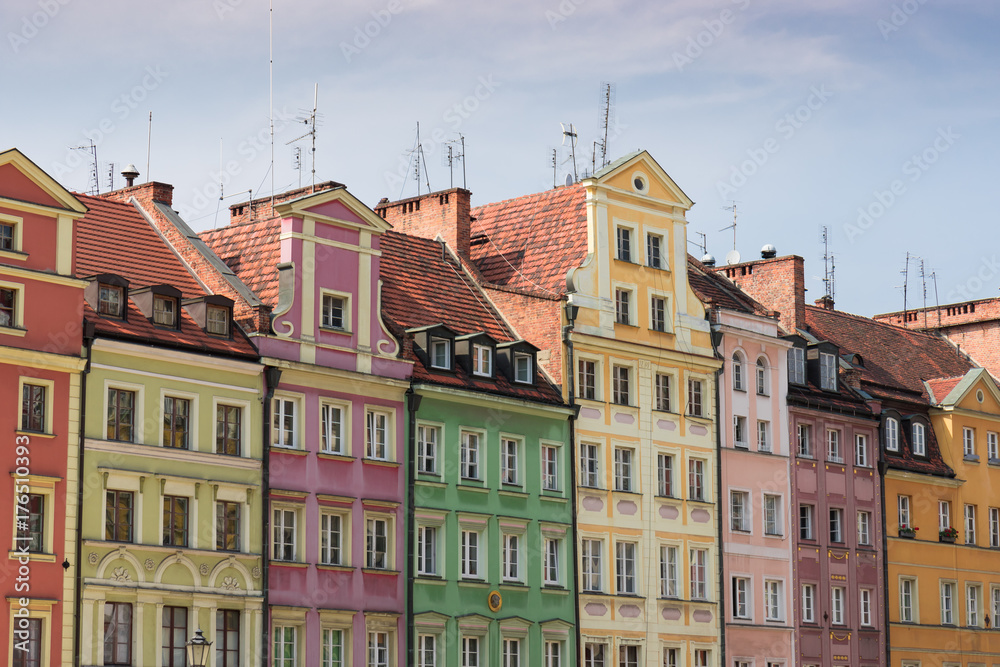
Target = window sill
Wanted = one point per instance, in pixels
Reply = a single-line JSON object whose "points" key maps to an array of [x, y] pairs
{"points": [[436, 483], [512, 494], [14, 254], [34, 434], [275, 449], [550, 496], [555, 589], [380, 463], [35, 556], [993, 462], [473, 583], [663, 331], [288, 563], [515, 585], [379, 571], [329, 456], [470, 487], [630, 493], [626, 324], [13, 331], [971, 458], [334, 568], [336, 330]]}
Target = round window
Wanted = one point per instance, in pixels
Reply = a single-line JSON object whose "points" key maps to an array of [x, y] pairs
{"points": [[979, 396]]}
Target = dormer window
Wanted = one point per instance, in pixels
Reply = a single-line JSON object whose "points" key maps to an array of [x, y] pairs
{"points": [[440, 353], [522, 367], [827, 371], [165, 311], [334, 312], [109, 300], [217, 320], [797, 365], [919, 439], [891, 434], [482, 360]]}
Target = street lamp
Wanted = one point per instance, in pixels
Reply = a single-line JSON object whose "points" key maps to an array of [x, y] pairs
{"points": [[197, 650]]}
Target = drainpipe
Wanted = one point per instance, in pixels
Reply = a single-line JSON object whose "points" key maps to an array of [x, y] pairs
{"points": [[568, 381], [412, 405], [882, 467], [272, 376], [88, 342], [719, 511]]}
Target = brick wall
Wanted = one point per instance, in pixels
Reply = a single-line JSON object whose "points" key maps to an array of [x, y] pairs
{"points": [[979, 340], [262, 209], [778, 284], [947, 315], [152, 191], [537, 320], [445, 213]]}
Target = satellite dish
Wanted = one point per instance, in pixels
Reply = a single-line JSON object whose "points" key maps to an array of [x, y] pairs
{"points": [[733, 257], [569, 179]]}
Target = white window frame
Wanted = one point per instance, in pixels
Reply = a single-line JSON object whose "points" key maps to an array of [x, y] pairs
{"points": [[864, 519], [739, 510], [471, 557], [834, 448], [994, 514], [626, 568], [482, 360], [528, 375], [907, 600], [992, 446], [665, 468], [428, 549], [280, 403], [838, 605], [590, 466], [551, 453], [739, 371], [773, 517], [696, 479], [947, 589], [436, 343], [774, 600], [861, 450], [345, 310], [828, 371], [970, 524], [344, 536], [669, 571], [596, 378], [968, 441], [742, 606], [740, 440], [762, 376], [973, 605], [512, 556], [471, 454], [903, 511], [511, 456], [624, 310], [808, 607], [429, 450], [796, 365], [865, 607], [919, 434], [624, 242], [591, 565], [624, 469], [702, 409], [944, 515], [552, 556], [837, 525], [621, 384], [891, 434], [763, 436], [372, 445], [700, 587], [344, 407], [804, 447], [662, 383], [372, 519], [809, 523], [286, 510], [662, 264]]}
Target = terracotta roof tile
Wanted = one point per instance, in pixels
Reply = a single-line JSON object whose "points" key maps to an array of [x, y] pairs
{"points": [[941, 387], [253, 251], [529, 243], [715, 289]]}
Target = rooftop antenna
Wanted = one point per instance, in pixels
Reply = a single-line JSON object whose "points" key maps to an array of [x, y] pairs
{"points": [[607, 118], [270, 87], [555, 166], [923, 280], [461, 138], [829, 267], [703, 245], [297, 162], [571, 133], [452, 156], [149, 142], [95, 184], [732, 226], [906, 275], [111, 176], [419, 159], [937, 303], [310, 121]]}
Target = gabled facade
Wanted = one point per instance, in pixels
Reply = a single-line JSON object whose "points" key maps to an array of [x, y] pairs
{"points": [[335, 425], [758, 531], [41, 337], [491, 577]]}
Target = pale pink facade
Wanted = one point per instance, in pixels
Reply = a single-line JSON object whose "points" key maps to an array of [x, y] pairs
{"points": [[757, 531]]}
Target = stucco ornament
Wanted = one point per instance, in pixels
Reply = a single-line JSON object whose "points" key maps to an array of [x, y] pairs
{"points": [[120, 574], [230, 584], [92, 558], [255, 572], [203, 569], [149, 564]]}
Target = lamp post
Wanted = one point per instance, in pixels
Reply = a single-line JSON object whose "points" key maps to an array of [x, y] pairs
{"points": [[197, 650]]}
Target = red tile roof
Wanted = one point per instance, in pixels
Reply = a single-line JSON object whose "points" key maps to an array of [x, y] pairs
{"points": [[253, 251], [529, 243], [715, 289], [422, 287], [114, 237], [941, 387]]}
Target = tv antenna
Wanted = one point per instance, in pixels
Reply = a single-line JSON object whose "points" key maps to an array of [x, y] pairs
{"points": [[297, 162], [571, 133], [95, 183], [311, 121], [555, 167], [417, 156], [732, 226], [906, 277], [829, 265], [111, 176], [703, 245], [937, 303], [923, 281], [607, 119], [452, 156]]}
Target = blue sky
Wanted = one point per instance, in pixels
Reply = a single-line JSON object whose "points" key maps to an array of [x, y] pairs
{"points": [[876, 119]]}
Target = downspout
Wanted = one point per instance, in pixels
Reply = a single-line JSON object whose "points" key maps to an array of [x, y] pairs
{"points": [[88, 342], [568, 381], [272, 376], [882, 466], [412, 405], [718, 515]]}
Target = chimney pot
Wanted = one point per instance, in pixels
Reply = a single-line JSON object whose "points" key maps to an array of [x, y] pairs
{"points": [[130, 173]]}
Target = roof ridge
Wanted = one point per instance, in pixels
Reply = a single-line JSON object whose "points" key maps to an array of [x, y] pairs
{"points": [[557, 189], [869, 320]]}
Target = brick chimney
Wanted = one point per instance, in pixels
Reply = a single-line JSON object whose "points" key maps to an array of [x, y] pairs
{"points": [[262, 209], [825, 302], [445, 213], [145, 193], [778, 284]]}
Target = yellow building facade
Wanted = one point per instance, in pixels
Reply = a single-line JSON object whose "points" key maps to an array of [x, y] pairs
{"points": [[644, 371]]}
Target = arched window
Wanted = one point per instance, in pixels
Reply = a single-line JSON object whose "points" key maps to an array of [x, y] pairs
{"points": [[762, 387], [891, 434], [738, 382], [919, 439]]}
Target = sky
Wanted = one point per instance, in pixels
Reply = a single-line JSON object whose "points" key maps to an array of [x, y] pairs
{"points": [[876, 120]]}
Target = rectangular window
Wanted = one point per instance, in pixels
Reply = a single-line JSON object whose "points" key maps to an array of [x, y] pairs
{"points": [[121, 415], [522, 368], [440, 353], [31, 530], [797, 365], [806, 517], [968, 441], [508, 461], [827, 372], [470, 652], [118, 516], [593, 655], [8, 307], [773, 524], [669, 583], [696, 479], [333, 311], [903, 511], [865, 601], [227, 526], [906, 591], [833, 452], [377, 435], [628, 656], [808, 603], [117, 633], [624, 238], [739, 518], [6, 237], [331, 536], [550, 468], [283, 425], [482, 360], [740, 432], [228, 430], [864, 528], [970, 524], [283, 528], [33, 408], [658, 313], [109, 300], [805, 441], [994, 527], [285, 646], [470, 455], [741, 597], [763, 436], [427, 449], [694, 399], [332, 647], [378, 649], [426, 651], [550, 569], [512, 558], [919, 440], [947, 603], [164, 311], [587, 379], [625, 583], [227, 638], [217, 320], [663, 392], [588, 465], [553, 654], [470, 554], [427, 550], [995, 594], [511, 653], [331, 428], [377, 544], [175, 636], [992, 449], [176, 422], [762, 377], [944, 515], [654, 251], [590, 565], [702, 657], [972, 602], [699, 574], [837, 601], [175, 521], [861, 451], [665, 475], [623, 469], [836, 524], [620, 386], [772, 600]]}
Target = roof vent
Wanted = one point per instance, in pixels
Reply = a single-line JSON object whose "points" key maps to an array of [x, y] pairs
{"points": [[708, 259], [130, 173], [768, 252]]}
